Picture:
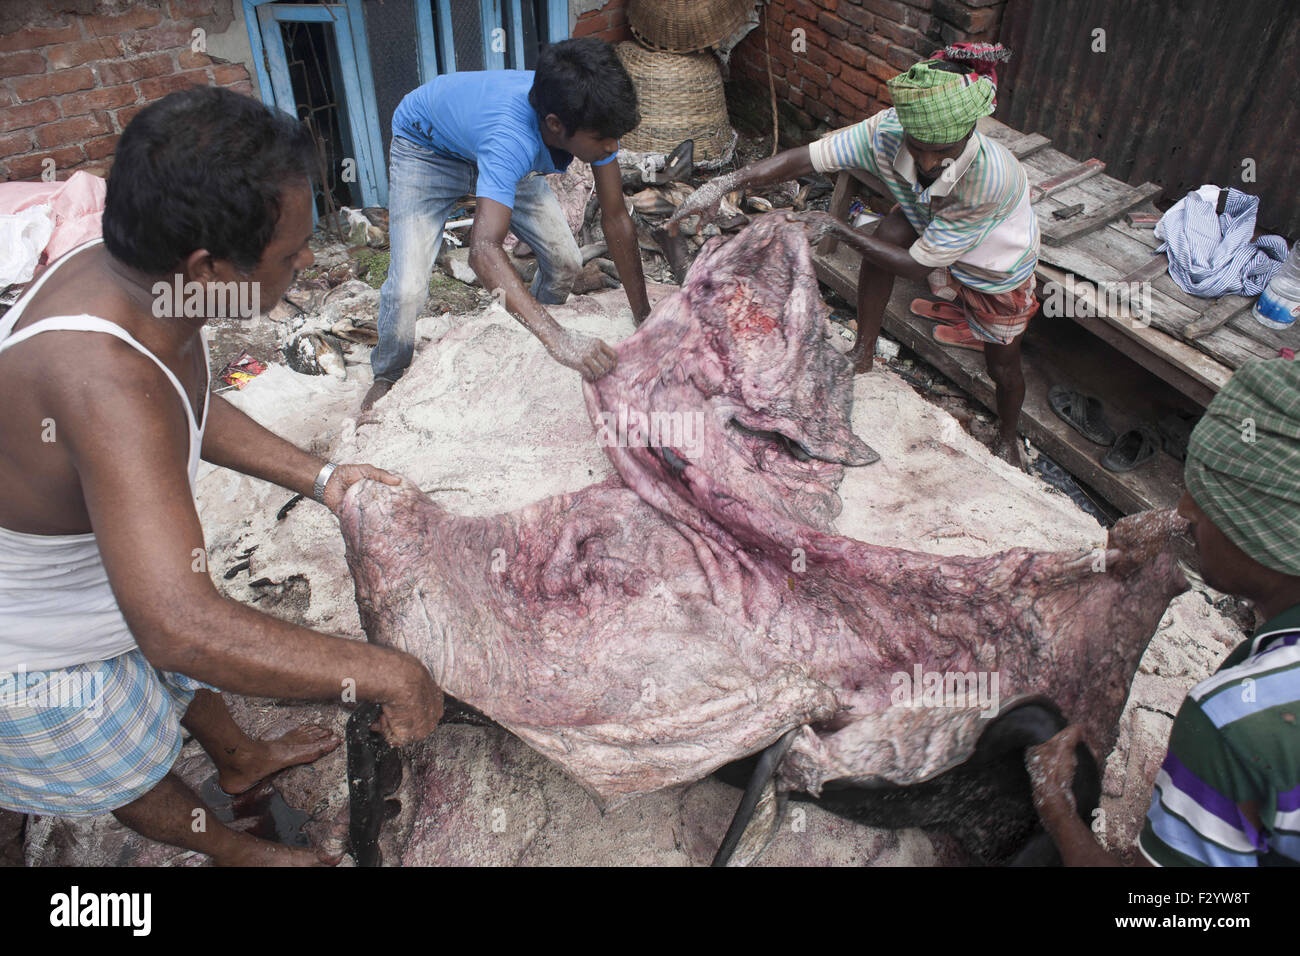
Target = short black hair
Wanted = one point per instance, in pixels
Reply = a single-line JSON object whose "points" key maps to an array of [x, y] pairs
{"points": [[584, 83], [202, 168]]}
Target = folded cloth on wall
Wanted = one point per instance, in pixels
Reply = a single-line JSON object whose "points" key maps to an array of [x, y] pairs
{"points": [[1213, 254], [74, 207]]}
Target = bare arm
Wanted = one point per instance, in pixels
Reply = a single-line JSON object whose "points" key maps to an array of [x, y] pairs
{"points": [[883, 255], [128, 440], [790, 164], [233, 440], [620, 236], [590, 357]]}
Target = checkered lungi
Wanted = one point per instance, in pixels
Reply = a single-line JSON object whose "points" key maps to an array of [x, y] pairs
{"points": [[998, 317], [84, 740]]}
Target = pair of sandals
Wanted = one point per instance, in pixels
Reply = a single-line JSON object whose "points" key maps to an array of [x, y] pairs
{"points": [[1084, 414], [952, 329]]}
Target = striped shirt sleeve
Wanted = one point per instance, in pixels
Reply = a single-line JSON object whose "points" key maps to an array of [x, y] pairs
{"points": [[854, 147], [989, 192], [1194, 819]]}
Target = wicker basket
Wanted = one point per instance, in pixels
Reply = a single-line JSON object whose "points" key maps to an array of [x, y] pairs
{"points": [[681, 97], [684, 26]]}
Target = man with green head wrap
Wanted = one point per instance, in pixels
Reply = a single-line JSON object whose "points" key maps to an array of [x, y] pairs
{"points": [[963, 218], [1228, 792]]}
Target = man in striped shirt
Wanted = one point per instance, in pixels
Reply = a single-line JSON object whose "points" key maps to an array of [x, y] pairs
{"points": [[1228, 792], [963, 213]]}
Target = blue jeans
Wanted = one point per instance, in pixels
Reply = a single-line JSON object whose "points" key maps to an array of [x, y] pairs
{"points": [[423, 188]]}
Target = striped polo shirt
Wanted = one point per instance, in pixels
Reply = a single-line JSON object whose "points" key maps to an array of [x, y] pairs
{"points": [[975, 219], [1236, 741]]}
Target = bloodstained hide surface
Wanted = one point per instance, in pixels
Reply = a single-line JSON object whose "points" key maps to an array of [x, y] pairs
{"points": [[688, 611]]}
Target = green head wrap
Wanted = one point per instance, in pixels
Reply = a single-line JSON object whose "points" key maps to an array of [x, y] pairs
{"points": [[1243, 462], [939, 107]]}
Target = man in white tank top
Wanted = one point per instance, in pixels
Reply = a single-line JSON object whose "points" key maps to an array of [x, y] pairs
{"points": [[107, 411]]}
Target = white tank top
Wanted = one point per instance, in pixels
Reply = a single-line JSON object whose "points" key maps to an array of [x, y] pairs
{"points": [[56, 606]]}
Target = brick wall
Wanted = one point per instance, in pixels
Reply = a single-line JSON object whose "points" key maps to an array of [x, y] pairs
{"points": [[834, 73], [70, 83], [609, 23]]}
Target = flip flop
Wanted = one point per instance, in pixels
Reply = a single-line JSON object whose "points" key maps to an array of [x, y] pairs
{"points": [[944, 312], [1175, 430], [1081, 412], [1131, 449], [957, 336]]}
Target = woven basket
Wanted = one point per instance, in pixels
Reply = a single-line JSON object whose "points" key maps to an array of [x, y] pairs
{"points": [[681, 97], [684, 26]]}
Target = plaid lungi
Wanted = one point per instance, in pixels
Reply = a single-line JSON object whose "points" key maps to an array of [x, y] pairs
{"points": [[81, 741], [998, 317]]}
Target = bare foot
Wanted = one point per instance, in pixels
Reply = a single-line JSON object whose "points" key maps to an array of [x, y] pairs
{"points": [[253, 851], [243, 769], [377, 391], [1011, 453]]}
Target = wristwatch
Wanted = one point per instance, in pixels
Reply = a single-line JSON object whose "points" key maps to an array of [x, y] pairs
{"points": [[322, 479]]}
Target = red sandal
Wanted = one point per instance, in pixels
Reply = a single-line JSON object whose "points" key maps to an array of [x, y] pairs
{"points": [[960, 337], [945, 312]]}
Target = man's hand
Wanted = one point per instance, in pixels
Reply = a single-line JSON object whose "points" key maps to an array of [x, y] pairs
{"points": [[1051, 768], [704, 202], [345, 476], [1139, 538], [588, 356], [413, 713], [819, 224]]}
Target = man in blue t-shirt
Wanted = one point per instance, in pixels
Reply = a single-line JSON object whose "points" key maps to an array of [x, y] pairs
{"points": [[496, 134]]}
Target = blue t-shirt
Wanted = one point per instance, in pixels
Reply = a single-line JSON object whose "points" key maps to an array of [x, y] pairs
{"points": [[484, 118]]}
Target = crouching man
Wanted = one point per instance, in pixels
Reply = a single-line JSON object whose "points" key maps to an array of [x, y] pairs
{"points": [[1228, 792], [495, 134], [103, 577]]}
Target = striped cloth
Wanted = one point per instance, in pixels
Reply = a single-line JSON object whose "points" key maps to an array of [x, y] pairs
{"points": [[1235, 742], [975, 219], [1212, 254], [85, 740]]}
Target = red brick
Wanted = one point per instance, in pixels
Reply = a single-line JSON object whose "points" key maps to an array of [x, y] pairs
{"points": [[587, 25], [100, 147], [925, 4], [877, 46], [11, 144], [6, 98], [33, 38], [136, 19], [243, 86], [32, 165], [29, 114], [99, 167], [824, 60], [124, 116], [847, 53], [189, 60], [902, 35], [851, 95], [804, 10], [827, 4], [900, 57], [54, 84], [833, 25], [859, 18], [128, 71], [74, 54], [225, 73], [102, 99], [878, 68], [192, 9], [168, 36], [964, 18], [159, 86], [889, 9], [72, 130], [21, 64]]}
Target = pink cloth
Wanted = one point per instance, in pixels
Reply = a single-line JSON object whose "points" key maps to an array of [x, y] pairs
{"points": [[76, 205]]}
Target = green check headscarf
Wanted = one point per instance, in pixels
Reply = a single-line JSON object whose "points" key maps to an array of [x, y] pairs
{"points": [[938, 107], [1243, 462]]}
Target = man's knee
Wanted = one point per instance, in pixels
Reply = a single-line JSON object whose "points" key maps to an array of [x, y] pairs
{"points": [[896, 230], [1003, 369], [563, 267]]}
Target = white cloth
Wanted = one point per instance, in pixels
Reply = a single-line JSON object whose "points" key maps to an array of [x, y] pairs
{"points": [[57, 608], [1212, 254]]}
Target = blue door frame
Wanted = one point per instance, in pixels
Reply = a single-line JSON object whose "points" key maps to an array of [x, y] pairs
{"points": [[437, 55]]}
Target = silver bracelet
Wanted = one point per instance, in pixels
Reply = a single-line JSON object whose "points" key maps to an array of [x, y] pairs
{"points": [[323, 479]]}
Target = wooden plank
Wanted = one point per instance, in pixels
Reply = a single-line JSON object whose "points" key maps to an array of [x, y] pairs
{"points": [[1215, 316], [1060, 232], [1190, 371], [1064, 180], [1019, 144], [841, 200]]}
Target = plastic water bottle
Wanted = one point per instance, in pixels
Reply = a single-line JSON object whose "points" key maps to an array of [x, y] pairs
{"points": [[1279, 304]]}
